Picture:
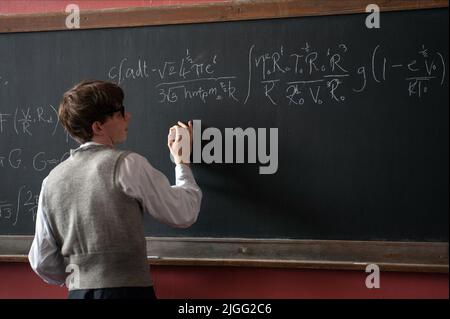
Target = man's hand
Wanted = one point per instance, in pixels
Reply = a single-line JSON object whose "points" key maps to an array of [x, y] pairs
{"points": [[179, 142]]}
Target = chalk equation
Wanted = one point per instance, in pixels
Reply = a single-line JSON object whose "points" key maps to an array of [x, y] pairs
{"points": [[309, 75], [188, 78], [26, 120], [38, 162], [185, 68], [284, 76], [23, 206]]}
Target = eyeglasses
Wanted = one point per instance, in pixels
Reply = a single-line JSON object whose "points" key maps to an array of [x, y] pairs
{"points": [[121, 110]]}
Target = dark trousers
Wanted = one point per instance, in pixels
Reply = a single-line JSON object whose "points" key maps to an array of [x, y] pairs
{"points": [[113, 293]]}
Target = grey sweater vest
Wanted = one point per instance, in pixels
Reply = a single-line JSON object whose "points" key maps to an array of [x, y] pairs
{"points": [[98, 227]]}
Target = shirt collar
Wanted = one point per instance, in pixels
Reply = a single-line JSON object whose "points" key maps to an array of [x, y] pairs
{"points": [[84, 146]]}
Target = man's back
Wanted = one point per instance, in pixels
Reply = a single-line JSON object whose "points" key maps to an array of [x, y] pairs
{"points": [[98, 227]]}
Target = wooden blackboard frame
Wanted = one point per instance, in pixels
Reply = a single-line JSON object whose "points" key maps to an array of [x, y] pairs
{"points": [[280, 253], [202, 13]]}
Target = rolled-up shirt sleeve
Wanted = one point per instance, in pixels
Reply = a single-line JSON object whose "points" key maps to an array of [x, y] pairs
{"points": [[45, 256], [176, 205]]}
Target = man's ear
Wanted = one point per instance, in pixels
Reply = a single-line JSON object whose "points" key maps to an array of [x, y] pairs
{"points": [[97, 128]]}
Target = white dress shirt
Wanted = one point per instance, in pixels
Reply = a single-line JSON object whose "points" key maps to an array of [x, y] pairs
{"points": [[176, 205]]}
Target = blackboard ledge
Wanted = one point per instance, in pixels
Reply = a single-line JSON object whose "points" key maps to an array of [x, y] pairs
{"points": [[428, 257], [300, 264]]}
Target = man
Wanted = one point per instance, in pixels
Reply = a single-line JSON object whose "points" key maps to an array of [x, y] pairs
{"points": [[89, 218]]}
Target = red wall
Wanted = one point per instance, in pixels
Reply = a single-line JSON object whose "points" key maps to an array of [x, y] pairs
{"points": [[17, 280]]}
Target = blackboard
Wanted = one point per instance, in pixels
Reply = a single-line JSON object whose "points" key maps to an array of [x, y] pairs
{"points": [[362, 119]]}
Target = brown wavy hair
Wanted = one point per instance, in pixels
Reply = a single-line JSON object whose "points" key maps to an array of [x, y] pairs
{"points": [[87, 102]]}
